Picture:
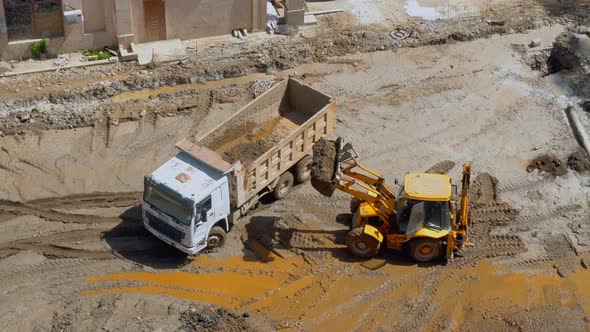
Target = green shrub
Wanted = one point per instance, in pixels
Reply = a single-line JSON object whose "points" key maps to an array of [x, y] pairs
{"points": [[39, 48], [96, 55]]}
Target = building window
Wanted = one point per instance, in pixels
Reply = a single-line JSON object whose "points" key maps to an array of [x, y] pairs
{"points": [[32, 19], [94, 16]]}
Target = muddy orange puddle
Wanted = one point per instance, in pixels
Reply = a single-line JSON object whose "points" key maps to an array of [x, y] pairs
{"points": [[340, 295], [241, 280]]}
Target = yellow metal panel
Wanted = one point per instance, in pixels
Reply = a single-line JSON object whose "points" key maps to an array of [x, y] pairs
{"points": [[428, 187], [431, 233], [367, 210], [373, 232]]}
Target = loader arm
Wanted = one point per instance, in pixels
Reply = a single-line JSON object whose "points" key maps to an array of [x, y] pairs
{"points": [[463, 221], [363, 183]]}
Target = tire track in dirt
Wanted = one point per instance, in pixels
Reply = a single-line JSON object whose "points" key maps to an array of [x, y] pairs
{"points": [[378, 292], [49, 246], [95, 200], [44, 208]]}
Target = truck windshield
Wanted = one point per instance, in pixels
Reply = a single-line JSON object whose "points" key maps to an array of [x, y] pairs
{"points": [[430, 215], [169, 202]]}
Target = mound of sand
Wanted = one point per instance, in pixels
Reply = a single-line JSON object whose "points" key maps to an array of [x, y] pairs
{"points": [[579, 161], [570, 52], [547, 163]]}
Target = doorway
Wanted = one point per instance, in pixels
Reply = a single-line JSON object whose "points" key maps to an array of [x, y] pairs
{"points": [[154, 20]]}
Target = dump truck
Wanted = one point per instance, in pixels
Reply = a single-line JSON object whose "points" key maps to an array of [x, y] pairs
{"points": [[193, 199]]}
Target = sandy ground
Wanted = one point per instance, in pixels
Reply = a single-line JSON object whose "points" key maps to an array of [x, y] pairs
{"points": [[74, 255]]}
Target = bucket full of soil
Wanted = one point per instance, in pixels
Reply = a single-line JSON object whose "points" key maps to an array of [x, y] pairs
{"points": [[323, 167]]}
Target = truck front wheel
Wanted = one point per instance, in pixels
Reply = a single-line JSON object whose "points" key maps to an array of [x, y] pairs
{"points": [[216, 237], [283, 187]]}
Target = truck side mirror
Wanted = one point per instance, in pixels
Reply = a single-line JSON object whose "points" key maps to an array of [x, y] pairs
{"points": [[395, 181]]}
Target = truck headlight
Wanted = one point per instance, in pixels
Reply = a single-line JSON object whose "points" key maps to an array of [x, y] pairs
{"points": [[188, 242]]}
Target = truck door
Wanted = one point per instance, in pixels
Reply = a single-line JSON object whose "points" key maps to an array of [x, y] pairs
{"points": [[205, 215]]}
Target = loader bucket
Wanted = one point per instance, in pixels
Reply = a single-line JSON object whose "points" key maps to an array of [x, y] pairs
{"points": [[325, 166]]}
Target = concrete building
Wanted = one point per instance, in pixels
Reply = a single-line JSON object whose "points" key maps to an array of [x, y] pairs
{"points": [[119, 22]]}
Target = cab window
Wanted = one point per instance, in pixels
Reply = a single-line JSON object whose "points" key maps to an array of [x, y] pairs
{"points": [[202, 208]]}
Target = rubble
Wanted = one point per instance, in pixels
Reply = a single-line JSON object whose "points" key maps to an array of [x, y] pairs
{"points": [[211, 319]]}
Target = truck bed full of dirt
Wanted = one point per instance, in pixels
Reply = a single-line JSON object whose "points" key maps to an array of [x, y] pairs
{"points": [[251, 140], [265, 122]]}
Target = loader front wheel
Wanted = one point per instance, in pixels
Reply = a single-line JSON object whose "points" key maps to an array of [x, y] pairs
{"points": [[425, 249], [361, 244], [283, 187]]}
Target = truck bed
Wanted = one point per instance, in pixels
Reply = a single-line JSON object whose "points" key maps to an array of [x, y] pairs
{"points": [[252, 139], [268, 136]]}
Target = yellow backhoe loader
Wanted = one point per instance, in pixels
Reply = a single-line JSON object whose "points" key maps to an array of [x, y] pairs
{"points": [[427, 219]]}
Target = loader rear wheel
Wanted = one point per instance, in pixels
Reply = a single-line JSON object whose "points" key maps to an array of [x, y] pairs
{"points": [[283, 187], [425, 249], [303, 169], [362, 245], [216, 237]]}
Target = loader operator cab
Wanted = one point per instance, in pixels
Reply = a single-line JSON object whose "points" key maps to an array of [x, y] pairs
{"points": [[423, 202]]}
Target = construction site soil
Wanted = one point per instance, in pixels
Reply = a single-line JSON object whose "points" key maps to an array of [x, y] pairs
{"points": [[75, 145]]}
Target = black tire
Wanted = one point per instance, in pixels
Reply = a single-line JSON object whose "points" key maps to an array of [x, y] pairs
{"points": [[362, 245], [284, 185], [303, 169], [425, 249], [354, 204], [216, 237]]}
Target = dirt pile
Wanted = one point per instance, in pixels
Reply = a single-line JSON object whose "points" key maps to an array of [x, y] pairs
{"points": [[547, 163], [322, 169], [65, 113], [484, 189], [442, 167], [252, 149], [208, 319], [288, 235], [579, 161], [570, 52]]}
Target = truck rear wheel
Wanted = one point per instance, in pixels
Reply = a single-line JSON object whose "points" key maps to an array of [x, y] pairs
{"points": [[425, 249], [303, 169], [283, 187], [361, 244], [216, 237]]}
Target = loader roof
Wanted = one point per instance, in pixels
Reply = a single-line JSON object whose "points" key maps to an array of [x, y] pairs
{"points": [[428, 187]]}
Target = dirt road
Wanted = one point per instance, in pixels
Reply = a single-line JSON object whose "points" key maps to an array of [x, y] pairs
{"points": [[75, 256]]}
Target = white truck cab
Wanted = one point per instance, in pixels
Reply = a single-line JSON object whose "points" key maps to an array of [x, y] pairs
{"points": [[186, 204]]}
